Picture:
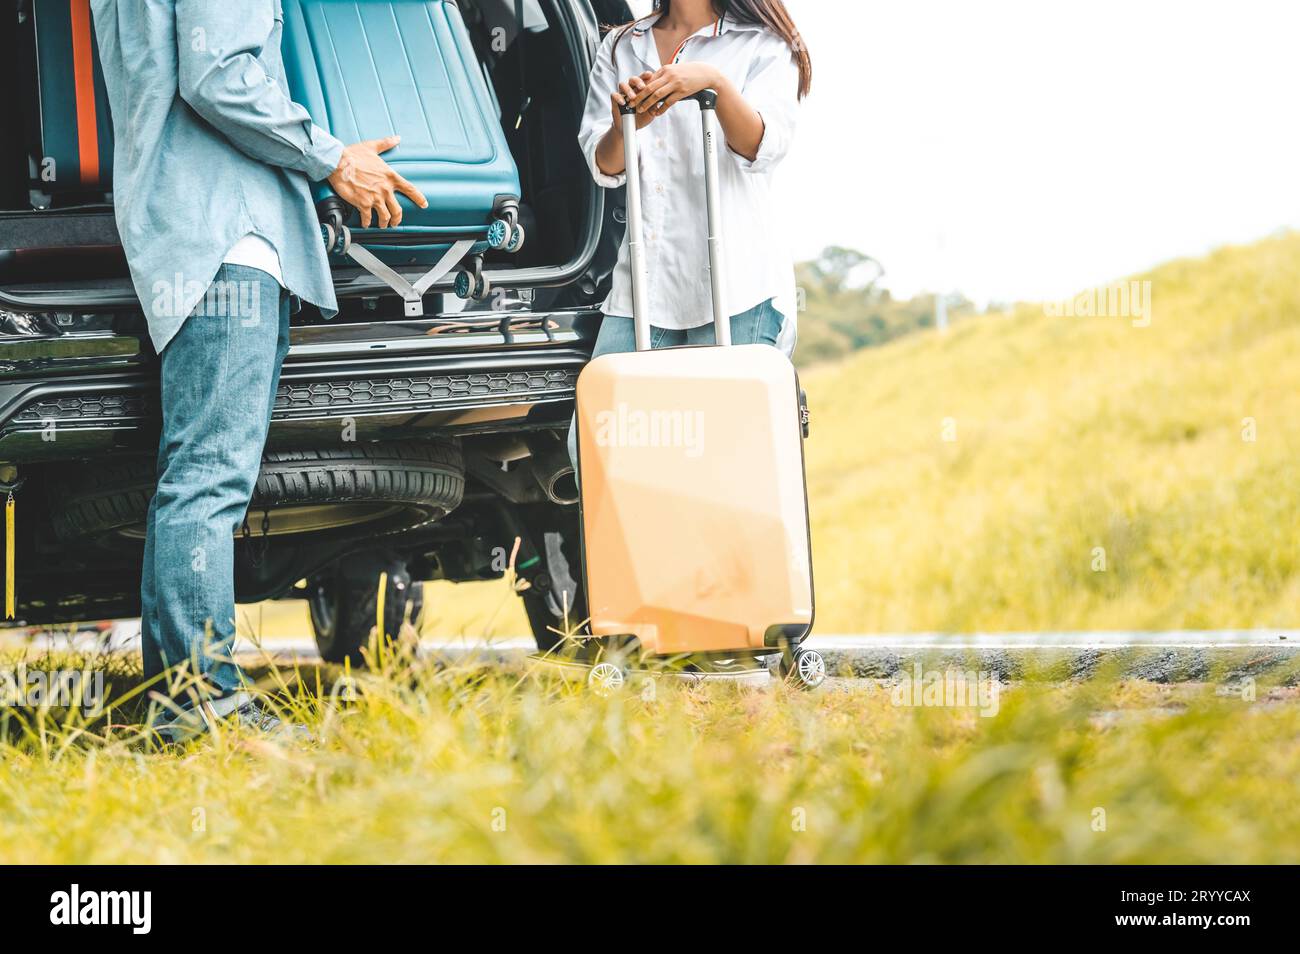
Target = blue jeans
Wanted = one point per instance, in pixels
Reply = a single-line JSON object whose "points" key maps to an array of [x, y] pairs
{"points": [[760, 325], [219, 375]]}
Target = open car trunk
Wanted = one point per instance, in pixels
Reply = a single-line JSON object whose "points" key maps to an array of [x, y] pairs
{"points": [[61, 251]]}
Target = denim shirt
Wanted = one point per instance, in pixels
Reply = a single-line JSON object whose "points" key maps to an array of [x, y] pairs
{"points": [[208, 147]]}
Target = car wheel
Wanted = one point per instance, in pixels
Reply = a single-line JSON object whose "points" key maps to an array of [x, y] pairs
{"points": [[554, 585], [344, 610], [542, 622]]}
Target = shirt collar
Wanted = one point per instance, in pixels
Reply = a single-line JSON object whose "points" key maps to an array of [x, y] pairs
{"points": [[643, 41], [724, 24], [730, 25], [641, 28]]}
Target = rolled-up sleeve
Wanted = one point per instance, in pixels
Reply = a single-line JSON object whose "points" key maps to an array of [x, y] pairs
{"points": [[772, 88], [597, 119], [222, 78]]}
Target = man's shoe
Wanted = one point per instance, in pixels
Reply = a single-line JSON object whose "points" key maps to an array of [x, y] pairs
{"points": [[193, 722], [256, 716], [241, 706]]}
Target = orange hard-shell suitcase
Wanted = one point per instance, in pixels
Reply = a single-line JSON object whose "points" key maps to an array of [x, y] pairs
{"points": [[694, 502]]}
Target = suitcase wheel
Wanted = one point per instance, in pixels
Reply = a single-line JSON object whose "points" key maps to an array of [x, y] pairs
{"points": [[606, 678], [804, 669], [471, 285], [337, 238], [516, 240], [464, 284], [498, 234]]}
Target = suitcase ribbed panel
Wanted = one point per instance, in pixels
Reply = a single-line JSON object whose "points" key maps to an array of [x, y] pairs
{"points": [[397, 68], [366, 69]]}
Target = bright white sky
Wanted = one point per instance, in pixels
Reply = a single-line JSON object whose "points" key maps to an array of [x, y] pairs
{"points": [[1026, 149]]}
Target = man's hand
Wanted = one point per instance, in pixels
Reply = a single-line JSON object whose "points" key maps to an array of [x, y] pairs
{"points": [[663, 90], [368, 184]]}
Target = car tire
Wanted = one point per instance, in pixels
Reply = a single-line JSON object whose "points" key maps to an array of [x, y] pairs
{"points": [[554, 582], [540, 621], [383, 488], [343, 605]]}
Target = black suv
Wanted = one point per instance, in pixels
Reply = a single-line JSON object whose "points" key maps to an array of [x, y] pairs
{"points": [[420, 447]]}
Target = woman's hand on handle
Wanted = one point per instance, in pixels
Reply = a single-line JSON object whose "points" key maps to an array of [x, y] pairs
{"points": [[742, 125], [672, 84], [609, 152], [627, 92]]}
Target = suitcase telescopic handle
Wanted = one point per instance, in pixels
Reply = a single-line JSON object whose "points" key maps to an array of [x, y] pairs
{"points": [[708, 100]]}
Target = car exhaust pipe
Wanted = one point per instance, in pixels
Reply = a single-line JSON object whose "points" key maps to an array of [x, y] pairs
{"points": [[553, 470]]}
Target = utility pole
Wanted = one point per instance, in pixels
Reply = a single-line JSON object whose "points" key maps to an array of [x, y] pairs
{"points": [[941, 295]]}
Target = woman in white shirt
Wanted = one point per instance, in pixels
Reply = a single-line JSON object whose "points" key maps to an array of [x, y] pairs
{"points": [[750, 52]]}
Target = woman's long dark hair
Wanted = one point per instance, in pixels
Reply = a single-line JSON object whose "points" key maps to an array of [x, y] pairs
{"points": [[768, 13]]}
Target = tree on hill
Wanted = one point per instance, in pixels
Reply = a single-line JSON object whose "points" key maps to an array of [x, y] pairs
{"points": [[843, 308]]}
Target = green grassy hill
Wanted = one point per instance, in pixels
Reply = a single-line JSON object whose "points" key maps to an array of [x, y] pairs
{"points": [[1072, 434]]}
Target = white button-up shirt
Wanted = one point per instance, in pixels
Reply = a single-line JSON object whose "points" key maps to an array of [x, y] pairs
{"points": [[758, 264]]}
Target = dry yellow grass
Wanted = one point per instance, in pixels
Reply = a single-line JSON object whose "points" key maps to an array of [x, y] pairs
{"points": [[1071, 434]]}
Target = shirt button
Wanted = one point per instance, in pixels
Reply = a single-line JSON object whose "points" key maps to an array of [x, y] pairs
{"points": [[660, 188], [659, 143]]}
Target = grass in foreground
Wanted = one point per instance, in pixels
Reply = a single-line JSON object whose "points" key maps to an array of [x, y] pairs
{"points": [[467, 765]]}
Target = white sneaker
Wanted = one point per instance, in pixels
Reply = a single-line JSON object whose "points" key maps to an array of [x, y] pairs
{"points": [[194, 722]]}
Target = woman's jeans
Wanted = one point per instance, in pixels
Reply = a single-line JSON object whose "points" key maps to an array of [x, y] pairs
{"points": [[760, 325], [219, 376]]}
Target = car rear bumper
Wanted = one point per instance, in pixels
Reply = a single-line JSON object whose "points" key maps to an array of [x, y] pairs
{"points": [[75, 386]]}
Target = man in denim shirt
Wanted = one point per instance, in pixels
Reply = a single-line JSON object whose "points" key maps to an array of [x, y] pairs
{"points": [[212, 161]]}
